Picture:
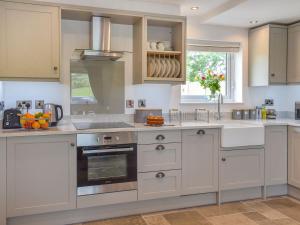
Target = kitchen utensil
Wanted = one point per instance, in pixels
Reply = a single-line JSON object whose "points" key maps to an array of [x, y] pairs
{"points": [[56, 112], [11, 119], [153, 45]]}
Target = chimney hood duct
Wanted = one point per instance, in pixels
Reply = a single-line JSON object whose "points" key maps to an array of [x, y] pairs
{"points": [[100, 41]]}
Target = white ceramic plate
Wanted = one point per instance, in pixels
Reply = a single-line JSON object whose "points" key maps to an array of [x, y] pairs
{"points": [[168, 67], [163, 68], [173, 70], [177, 73], [158, 67]]}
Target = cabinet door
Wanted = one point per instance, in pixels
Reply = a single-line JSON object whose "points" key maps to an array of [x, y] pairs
{"points": [[241, 169], [276, 155], [41, 174], [29, 41], [259, 56], [278, 55], [200, 161], [160, 184], [2, 181], [293, 70], [294, 156]]}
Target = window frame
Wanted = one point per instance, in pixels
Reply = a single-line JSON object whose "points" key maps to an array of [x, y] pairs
{"points": [[231, 57]]}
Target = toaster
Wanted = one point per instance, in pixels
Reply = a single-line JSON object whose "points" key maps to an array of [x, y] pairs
{"points": [[11, 119]]}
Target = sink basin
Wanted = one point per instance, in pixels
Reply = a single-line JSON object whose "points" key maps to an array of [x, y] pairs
{"points": [[242, 134]]}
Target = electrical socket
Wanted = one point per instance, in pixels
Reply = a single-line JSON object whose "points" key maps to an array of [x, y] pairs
{"points": [[21, 104], [269, 102], [39, 104]]}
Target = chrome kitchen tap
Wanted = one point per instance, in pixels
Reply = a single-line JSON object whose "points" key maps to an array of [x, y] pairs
{"points": [[220, 101]]}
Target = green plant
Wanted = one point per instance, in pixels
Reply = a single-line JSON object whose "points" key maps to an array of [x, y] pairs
{"points": [[211, 81]]}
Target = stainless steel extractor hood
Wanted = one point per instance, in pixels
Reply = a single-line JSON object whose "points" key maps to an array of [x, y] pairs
{"points": [[100, 41]]}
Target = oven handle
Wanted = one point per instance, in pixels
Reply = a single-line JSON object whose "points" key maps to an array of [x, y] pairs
{"points": [[109, 150]]}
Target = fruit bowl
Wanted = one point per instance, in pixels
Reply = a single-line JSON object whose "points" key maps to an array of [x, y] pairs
{"points": [[35, 121]]}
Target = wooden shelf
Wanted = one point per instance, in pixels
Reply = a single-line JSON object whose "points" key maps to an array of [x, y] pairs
{"points": [[164, 53], [172, 79]]}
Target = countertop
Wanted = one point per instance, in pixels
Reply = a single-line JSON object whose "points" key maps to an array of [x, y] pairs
{"points": [[66, 127]]}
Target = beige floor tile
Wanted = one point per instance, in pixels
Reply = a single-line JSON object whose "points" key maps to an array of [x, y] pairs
{"points": [[287, 207], [255, 216], [286, 222], [186, 218], [265, 210], [224, 209], [231, 219], [281, 203], [155, 220]]}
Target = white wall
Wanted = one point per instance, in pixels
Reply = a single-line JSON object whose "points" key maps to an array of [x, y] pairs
{"points": [[75, 34]]}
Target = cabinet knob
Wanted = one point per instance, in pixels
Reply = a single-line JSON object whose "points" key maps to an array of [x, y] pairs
{"points": [[272, 74], [55, 68], [224, 159], [160, 137], [72, 144], [160, 148], [201, 132], [160, 175]]}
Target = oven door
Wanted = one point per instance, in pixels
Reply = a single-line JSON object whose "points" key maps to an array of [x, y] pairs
{"points": [[104, 169]]}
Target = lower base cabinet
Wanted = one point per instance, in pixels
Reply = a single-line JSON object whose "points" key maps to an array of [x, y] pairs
{"points": [[294, 156], [162, 184], [241, 169], [41, 174]]}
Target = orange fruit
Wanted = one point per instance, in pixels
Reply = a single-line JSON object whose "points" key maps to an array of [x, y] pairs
{"points": [[42, 121], [45, 125], [46, 115], [35, 125]]}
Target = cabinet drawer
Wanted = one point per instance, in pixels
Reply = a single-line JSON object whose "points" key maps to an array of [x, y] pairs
{"points": [[159, 157], [159, 184], [242, 169], [154, 137]]}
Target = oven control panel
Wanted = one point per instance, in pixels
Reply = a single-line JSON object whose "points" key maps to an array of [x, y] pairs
{"points": [[94, 139]]}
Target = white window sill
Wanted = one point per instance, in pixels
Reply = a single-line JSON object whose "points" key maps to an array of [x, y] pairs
{"points": [[187, 102]]}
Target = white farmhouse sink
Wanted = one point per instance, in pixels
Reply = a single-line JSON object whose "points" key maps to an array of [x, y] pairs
{"points": [[242, 134]]}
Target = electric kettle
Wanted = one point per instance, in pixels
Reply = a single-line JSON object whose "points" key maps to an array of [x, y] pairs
{"points": [[56, 112]]}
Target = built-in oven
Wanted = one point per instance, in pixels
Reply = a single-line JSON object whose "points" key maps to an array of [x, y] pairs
{"points": [[106, 162]]}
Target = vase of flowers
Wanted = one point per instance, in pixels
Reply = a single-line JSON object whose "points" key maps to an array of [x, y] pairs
{"points": [[212, 82]]}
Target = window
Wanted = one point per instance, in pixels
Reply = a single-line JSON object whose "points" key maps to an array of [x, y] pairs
{"points": [[218, 57]]}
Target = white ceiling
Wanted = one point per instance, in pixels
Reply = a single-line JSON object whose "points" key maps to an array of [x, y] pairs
{"points": [[238, 12]]}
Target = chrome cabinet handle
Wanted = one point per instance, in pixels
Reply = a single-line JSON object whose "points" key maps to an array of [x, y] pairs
{"points": [[224, 159], [201, 132], [160, 137], [272, 74], [160, 148], [160, 175], [72, 144]]}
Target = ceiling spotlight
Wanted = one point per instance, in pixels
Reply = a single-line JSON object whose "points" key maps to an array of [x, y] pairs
{"points": [[194, 8], [253, 21]]}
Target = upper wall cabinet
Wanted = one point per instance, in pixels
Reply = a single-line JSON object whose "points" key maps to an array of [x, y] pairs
{"points": [[29, 41], [159, 50], [293, 74], [268, 55]]}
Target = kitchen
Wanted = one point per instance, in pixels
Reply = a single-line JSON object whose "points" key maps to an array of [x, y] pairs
{"points": [[135, 135]]}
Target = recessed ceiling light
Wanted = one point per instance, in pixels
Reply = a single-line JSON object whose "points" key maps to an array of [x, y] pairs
{"points": [[253, 21], [194, 8]]}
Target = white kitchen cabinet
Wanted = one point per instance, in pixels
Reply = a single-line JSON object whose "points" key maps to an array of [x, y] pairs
{"points": [[241, 169], [160, 184], [157, 157], [200, 161], [29, 41], [41, 174], [276, 155], [2, 181], [268, 55], [294, 156], [293, 70]]}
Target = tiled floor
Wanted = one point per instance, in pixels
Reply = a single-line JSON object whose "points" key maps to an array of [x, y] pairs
{"points": [[274, 211]]}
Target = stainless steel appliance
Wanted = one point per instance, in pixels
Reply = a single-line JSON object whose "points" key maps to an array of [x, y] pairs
{"points": [[56, 112], [106, 162], [297, 110], [100, 125], [100, 41]]}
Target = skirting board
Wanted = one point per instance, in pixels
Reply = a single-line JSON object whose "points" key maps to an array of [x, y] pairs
{"points": [[133, 208], [294, 192]]}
